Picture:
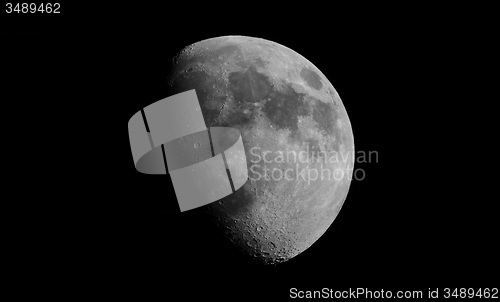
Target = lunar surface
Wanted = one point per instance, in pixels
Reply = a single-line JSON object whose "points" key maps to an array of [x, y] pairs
{"points": [[297, 136]]}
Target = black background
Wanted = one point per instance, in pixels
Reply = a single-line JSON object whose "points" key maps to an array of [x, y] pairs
{"points": [[417, 220]]}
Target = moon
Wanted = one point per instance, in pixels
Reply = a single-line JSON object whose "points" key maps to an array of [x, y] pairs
{"points": [[297, 135]]}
